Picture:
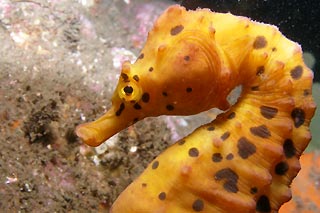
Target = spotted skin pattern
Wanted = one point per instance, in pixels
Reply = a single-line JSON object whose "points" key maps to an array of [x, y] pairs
{"points": [[246, 158]]}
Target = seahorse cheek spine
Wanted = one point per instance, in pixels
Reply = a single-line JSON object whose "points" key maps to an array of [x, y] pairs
{"points": [[247, 157]]}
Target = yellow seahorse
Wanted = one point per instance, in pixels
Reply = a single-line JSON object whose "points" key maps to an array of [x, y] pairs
{"points": [[244, 160]]}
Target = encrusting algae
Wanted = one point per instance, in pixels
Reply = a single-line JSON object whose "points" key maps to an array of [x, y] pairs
{"points": [[246, 158]]}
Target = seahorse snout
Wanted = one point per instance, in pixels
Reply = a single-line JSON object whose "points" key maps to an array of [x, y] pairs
{"points": [[96, 132]]}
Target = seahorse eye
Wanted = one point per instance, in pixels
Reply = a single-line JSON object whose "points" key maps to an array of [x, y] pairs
{"points": [[128, 90]]}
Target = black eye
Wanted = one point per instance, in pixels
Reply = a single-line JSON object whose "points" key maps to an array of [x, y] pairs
{"points": [[128, 90]]}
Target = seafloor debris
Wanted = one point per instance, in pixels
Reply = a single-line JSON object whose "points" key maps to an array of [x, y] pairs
{"points": [[37, 127]]}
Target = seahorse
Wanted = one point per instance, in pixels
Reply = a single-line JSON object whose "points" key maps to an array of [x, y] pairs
{"points": [[245, 159]]}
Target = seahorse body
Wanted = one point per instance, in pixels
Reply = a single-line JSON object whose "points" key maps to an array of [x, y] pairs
{"points": [[243, 161]]}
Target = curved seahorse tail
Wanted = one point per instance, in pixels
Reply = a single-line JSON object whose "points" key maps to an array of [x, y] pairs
{"points": [[283, 83]]}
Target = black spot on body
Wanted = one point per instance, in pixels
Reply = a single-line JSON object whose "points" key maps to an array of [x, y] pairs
{"points": [[274, 49], [155, 164], [198, 205], [245, 148], [306, 92], [210, 128], [162, 196], [176, 30], [165, 94], [137, 106], [263, 204], [144, 185], [289, 149], [259, 42], [298, 116], [281, 168], [261, 131], [225, 135], [231, 179], [136, 78], [216, 157], [170, 107], [231, 115], [254, 190], [255, 88], [189, 89], [145, 97], [268, 112], [141, 56], [229, 156], [181, 142], [121, 108], [296, 72], [186, 58], [150, 69], [260, 70], [193, 152], [125, 77]]}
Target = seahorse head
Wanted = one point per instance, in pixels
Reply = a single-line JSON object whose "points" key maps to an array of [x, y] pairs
{"points": [[179, 66]]}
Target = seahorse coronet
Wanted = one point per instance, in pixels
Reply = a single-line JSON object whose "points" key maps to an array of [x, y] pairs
{"points": [[246, 158]]}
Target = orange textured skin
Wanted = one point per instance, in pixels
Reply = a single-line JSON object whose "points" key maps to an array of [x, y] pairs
{"points": [[244, 160]]}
